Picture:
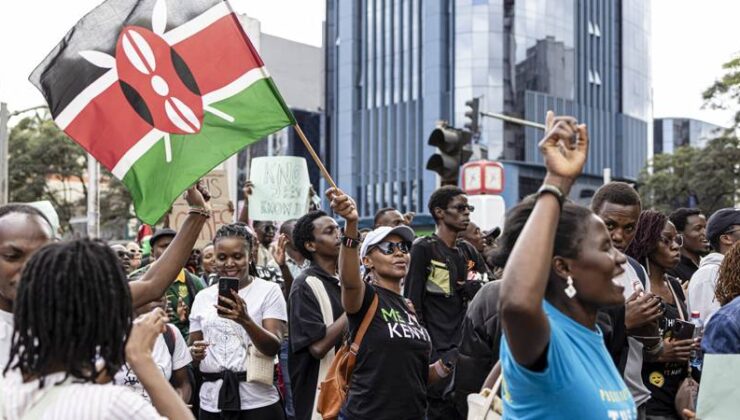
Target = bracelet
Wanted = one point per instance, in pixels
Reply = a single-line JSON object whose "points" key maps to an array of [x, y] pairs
{"points": [[551, 189], [201, 211], [654, 350], [350, 242]]}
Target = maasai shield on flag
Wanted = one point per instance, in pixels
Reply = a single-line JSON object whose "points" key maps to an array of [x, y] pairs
{"points": [[160, 92]]}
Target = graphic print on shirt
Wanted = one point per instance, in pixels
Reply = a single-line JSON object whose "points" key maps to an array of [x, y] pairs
{"points": [[226, 342], [403, 324], [130, 380]]}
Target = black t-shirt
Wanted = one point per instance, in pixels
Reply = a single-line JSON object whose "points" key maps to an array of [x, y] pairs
{"points": [[306, 327], [438, 286], [664, 379], [390, 376], [684, 270]]}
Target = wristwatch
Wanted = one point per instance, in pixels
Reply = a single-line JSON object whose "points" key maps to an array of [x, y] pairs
{"points": [[551, 189], [350, 242]]}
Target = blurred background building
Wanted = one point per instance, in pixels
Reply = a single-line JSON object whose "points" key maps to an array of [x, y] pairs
{"points": [[396, 67]]}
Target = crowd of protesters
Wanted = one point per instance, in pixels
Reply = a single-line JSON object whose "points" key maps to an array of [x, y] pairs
{"points": [[577, 309]]}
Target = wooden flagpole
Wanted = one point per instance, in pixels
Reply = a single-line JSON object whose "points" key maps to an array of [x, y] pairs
{"points": [[315, 157]]}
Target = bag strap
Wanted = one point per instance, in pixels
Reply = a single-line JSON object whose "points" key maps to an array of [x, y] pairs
{"points": [[319, 291], [675, 299], [369, 315], [169, 339]]}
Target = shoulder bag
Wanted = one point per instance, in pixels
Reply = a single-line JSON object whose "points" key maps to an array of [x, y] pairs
{"points": [[333, 390], [486, 405]]}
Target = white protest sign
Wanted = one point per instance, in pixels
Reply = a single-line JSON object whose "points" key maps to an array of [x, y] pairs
{"points": [[281, 188]]}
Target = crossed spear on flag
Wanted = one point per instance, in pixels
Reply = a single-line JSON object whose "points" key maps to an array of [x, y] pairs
{"points": [[138, 87]]}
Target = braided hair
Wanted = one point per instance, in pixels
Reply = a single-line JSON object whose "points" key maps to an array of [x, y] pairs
{"points": [[728, 285], [649, 228], [240, 230], [73, 308], [235, 230]]}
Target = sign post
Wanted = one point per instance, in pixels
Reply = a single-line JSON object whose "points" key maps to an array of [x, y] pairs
{"points": [[281, 188]]}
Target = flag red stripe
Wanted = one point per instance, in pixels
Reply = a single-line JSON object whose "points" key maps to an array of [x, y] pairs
{"points": [[217, 55], [108, 135]]}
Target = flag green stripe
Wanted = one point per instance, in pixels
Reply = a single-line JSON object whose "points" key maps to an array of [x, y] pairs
{"points": [[155, 184]]}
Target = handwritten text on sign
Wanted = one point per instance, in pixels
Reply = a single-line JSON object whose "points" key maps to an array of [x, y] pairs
{"points": [[221, 210], [281, 187]]}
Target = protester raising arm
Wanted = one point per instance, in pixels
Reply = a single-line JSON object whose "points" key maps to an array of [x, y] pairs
{"points": [[524, 321], [155, 281], [353, 288]]}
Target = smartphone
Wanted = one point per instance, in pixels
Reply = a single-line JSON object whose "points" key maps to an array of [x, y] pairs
{"points": [[683, 330], [225, 286]]}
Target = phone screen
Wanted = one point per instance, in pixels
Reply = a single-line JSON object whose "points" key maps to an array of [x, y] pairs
{"points": [[225, 286]]}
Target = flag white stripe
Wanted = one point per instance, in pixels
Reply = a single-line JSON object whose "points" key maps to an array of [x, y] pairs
{"points": [[83, 99], [196, 25], [135, 152], [70, 112], [150, 139], [238, 85]]}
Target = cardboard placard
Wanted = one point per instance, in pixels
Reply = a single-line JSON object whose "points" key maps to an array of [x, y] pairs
{"points": [[221, 213], [281, 188]]}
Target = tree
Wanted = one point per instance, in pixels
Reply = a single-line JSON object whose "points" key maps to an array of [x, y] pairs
{"points": [[45, 164], [708, 177]]}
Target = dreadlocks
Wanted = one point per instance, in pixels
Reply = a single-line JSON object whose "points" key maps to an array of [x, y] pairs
{"points": [[649, 229], [728, 284], [73, 308]]}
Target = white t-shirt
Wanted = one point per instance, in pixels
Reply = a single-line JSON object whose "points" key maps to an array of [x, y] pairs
{"points": [[161, 355], [229, 341], [76, 401], [6, 336]]}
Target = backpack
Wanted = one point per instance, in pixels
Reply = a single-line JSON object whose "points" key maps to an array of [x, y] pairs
{"points": [[333, 390]]}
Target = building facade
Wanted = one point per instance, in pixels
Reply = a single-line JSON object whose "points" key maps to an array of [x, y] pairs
{"points": [[394, 68], [672, 133]]}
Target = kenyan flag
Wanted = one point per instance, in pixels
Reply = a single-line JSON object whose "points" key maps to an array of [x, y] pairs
{"points": [[160, 92]]}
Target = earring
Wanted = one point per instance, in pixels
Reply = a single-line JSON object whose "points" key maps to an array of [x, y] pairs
{"points": [[570, 291]]}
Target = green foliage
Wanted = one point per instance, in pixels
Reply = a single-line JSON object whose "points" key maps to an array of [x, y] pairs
{"points": [[710, 175], [45, 164]]}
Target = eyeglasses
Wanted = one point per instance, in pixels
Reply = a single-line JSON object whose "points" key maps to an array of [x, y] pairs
{"points": [[462, 207], [389, 248], [678, 240]]}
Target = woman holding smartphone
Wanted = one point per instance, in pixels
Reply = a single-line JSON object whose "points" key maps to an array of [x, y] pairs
{"points": [[657, 246], [228, 323]]}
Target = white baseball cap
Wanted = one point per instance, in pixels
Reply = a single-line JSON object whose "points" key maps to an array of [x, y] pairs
{"points": [[376, 236]]}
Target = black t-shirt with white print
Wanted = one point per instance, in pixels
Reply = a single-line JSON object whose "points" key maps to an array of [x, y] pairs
{"points": [[392, 369]]}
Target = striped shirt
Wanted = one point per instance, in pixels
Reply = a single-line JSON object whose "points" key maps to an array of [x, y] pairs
{"points": [[80, 401]]}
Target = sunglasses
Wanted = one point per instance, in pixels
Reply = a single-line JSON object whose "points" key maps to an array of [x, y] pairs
{"points": [[462, 207], [389, 248]]}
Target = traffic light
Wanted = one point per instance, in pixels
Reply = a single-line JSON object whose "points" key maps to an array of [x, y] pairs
{"points": [[472, 115], [454, 150]]}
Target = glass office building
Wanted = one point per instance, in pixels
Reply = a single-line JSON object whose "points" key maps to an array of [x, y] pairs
{"points": [[672, 133], [395, 68]]}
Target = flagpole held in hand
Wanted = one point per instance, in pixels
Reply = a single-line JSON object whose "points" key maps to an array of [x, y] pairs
{"points": [[315, 157]]}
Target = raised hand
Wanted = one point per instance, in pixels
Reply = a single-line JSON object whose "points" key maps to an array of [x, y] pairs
{"points": [[564, 147], [198, 196], [247, 191], [278, 253], [144, 333], [342, 204]]}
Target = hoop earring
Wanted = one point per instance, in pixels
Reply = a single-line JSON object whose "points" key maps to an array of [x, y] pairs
{"points": [[570, 291]]}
